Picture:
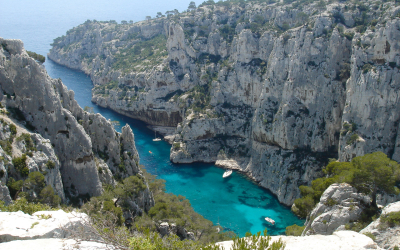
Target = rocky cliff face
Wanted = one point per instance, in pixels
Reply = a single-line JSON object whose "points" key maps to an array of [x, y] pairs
{"points": [[86, 149], [273, 90], [340, 204]]}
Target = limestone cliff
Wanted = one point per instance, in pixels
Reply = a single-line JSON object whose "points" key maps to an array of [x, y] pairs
{"points": [[273, 90], [85, 147]]}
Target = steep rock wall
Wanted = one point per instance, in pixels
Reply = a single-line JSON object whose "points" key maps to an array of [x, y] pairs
{"points": [[83, 142], [275, 90]]}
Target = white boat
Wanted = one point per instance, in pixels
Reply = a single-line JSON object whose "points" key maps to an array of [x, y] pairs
{"points": [[227, 173], [155, 137], [270, 220]]}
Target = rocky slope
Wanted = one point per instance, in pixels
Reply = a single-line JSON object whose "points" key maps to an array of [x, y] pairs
{"points": [[86, 150], [270, 89], [387, 236]]}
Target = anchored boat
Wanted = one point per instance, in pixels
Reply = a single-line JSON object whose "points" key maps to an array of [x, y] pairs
{"points": [[270, 220], [227, 173], [155, 137]]}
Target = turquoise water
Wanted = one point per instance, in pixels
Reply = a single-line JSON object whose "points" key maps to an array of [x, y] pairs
{"points": [[236, 203]]}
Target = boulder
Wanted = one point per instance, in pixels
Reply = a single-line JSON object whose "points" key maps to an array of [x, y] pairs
{"points": [[43, 224], [339, 205]]}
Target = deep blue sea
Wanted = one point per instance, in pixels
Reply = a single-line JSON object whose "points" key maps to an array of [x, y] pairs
{"points": [[235, 203]]}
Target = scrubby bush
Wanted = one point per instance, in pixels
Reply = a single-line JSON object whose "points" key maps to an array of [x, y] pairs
{"points": [[13, 129], [47, 196], [256, 241], [294, 230], [177, 145], [23, 205], [50, 164], [20, 165], [37, 57], [353, 138], [29, 145], [14, 186], [33, 189], [391, 219]]}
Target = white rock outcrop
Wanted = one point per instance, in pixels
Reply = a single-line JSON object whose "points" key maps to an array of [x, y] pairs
{"points": [[339, 205], [42, 224], [387, 237], [348, 240], [47, 230], [54, 244]]}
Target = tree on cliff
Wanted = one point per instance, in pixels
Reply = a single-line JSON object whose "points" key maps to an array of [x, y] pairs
{"points": [[192, 6], [375, 172], [369, 174]]}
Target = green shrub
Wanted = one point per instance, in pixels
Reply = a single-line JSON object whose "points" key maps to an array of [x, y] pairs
{"points": [[6, 146], [370, 235], [303, 206], [29, 145], [256, 241], [129, 187], [20, 165], [177, 146], [349, 35], [37, 57], [23, 205], [330, 202], [47, 196], [14, 186], [367, 67], [117, 211], [13, 129], [35, 181], [391, 219], [353, 138], [50, 164], [294, 230]]}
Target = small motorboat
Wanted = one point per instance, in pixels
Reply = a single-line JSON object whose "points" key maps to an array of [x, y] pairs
{"points": [[227, 173], [155, 137], [270, 220], [150, 152]]}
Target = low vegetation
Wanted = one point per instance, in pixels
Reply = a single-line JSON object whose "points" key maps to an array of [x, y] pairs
{"points": [[142, 56], [23, 205], [391, 219], [37, 57], [33, 189], [294, 230]]}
